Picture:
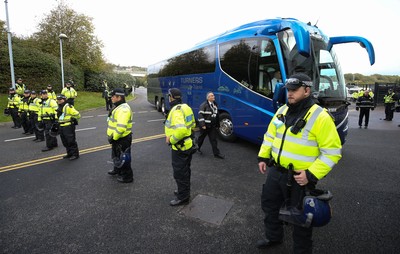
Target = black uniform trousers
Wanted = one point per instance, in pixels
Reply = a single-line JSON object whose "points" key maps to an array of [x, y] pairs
{"points": [[51, 142], [389, 110], [117, 147], [273, 196], [108, 103], [363, 112], [15, 117], [211, 131], [33, 118], [181, 161], [68, 139], [26, 125]]}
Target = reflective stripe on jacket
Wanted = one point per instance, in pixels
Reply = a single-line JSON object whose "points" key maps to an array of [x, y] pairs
{"points": [[179, 125], [120, 122], [316, 147], [34, 104], [23, 105], [69, 93], [13, 102], [68, 112], [48, 110], [389, 98]]}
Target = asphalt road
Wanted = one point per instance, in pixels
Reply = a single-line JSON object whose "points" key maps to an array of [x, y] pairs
{"points": [[50, 205]]}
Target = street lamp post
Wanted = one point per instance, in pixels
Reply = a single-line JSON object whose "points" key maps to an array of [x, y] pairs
{"points": [[10, 47], [62, 36]]}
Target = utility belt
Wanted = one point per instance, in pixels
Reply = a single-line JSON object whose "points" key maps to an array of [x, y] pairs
{"points": [[272, 163]]}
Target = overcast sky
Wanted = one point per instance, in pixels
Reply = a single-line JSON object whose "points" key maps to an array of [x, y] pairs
{"points": [[144, 32]]}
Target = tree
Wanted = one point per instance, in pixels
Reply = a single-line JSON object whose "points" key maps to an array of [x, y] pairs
{"points": [[82, 48]]}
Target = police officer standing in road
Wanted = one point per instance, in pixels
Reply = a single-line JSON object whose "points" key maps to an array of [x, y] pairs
{"points": [[67, 119], [34, 103], [364, 103], [209, 122], [389, 99], [13, 104], [48, 115], [23, 111], [119, 134], [178, 131], [302, 137]]}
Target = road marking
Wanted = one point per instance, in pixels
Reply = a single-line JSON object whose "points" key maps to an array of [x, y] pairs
{"points": [[59, 156], [87, 117], [103, 115], [156, 120], [16, 139]]}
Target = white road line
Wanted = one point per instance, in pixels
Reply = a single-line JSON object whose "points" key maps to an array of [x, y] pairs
{"points": [[141, 112], [103, 115], [28, 137], [156, 120], [87, 116], [86, 129]]}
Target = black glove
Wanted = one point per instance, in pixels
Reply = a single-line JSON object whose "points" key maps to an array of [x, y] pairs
{"points": [[74, 121], [111, 140], [357, 108]]}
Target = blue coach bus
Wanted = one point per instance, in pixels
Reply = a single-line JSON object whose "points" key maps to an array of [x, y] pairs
{"points": [[246, 67]]}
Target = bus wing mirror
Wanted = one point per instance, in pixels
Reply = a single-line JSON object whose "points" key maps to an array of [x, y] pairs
{"points": [[279, 97], [364, 43]]}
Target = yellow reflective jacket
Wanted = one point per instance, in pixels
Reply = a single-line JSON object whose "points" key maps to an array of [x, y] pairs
{"points": [[13, 101], [34, 104], [47, 110], [179, 125], [68, 112], [316, 147], [120, 122], [69, 93], [389, 98], [20, 89], [51, 95], [23, 105]]}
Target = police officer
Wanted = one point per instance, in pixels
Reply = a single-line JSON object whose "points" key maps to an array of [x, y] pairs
{"points": [[301, 136], [50, 92], [34, 103], [107, 95], [389, 99], [178, 131], [364, 103], [48, 115], [67, 119], [119, 134], [20, 87], [209, 122], [23, 112], [70, 93], [13, 104]]}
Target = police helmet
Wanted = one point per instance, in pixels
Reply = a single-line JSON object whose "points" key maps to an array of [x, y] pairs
{"points": [[33, 92], [11, 89], [61, 97], [44, 91], [124, 158], [315, 212], [27, 91], [54, 129], [297, 80], [175, 93], [118, 91]]}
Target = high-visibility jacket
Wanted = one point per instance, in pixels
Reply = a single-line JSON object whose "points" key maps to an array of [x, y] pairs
{"points": [[51, 94], [316, 147], [34, 104], [69, 93], [13, 101], [179, 125], [68, 112], [47, 110], [390, 98], [120, 122], [20, 89], [23, 105]]}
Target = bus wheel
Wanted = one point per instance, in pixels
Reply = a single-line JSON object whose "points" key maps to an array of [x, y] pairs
{"points": [[163, 110], [225, 130], [158, 106]]}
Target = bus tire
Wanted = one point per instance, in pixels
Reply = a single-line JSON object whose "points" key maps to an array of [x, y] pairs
{"points": [[158, 106], [162, 106], [225, 130]]}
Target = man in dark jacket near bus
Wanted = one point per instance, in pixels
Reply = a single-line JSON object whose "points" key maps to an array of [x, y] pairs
{"points": [[208, 120]]}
